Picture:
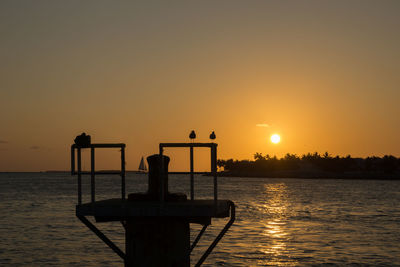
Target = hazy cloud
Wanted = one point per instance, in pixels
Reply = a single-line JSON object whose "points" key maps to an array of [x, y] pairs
{"points": [[262, 125], [34, 147], [3, 142]]}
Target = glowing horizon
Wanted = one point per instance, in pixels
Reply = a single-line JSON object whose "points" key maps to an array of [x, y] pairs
{"points": [[142, 74]]}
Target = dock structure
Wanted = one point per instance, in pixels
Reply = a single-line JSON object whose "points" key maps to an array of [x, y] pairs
{"points": [[156, 222]]}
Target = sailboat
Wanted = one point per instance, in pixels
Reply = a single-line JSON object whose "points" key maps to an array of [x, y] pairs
{"points": [[142, 166]]}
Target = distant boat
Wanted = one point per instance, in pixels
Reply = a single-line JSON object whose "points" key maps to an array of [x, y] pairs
{"points": [[142, 166]]}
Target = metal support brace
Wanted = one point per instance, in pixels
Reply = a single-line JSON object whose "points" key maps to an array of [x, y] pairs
{"points": [[198, 237], [102, 236], [220, 235]]}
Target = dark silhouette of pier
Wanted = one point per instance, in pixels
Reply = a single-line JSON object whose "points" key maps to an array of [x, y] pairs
{"points": [[156, 222]]}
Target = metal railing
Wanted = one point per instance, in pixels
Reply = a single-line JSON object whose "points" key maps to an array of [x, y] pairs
{"points": [[213, 150], [76, 167], [78, 170]]}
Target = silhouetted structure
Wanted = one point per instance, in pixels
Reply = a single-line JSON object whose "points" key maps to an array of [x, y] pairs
{"points": [[157, 222]]}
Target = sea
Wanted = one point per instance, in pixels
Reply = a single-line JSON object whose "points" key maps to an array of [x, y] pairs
{"points": [[279, 222]]}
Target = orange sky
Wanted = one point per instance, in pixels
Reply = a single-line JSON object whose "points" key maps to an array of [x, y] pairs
{"points": [[322, 74]]}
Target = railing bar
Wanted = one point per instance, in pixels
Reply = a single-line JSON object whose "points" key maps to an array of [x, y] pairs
{"points": [[174, 172], [187, 144], [101, 172], [101, 146]]}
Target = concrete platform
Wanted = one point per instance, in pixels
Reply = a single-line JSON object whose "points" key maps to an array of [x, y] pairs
{"points": [[196, 211]]}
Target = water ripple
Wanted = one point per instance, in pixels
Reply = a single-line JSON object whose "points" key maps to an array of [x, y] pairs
{"points": [[280, 222]]}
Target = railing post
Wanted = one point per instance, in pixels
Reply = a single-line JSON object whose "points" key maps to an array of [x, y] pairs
{"points": [[72, 160], [191, 174], [123, 172], [79, 176], [162, 193], [214, 171], [92, 177]]}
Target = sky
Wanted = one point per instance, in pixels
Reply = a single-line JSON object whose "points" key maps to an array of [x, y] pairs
{"points": [[324, 75]]}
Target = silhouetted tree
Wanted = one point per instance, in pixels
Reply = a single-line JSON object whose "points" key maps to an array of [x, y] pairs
{"points": [[258, 156], [389, 164], [325, 162]]}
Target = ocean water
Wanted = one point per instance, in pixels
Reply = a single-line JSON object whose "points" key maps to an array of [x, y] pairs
{"points": [[279, 222]]}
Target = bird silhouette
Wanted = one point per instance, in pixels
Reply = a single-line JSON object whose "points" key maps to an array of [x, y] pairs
{"points": [[212, 136], [192, 135]]}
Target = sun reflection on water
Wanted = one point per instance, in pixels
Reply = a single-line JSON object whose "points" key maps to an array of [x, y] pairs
{"points": [[275, 233]]}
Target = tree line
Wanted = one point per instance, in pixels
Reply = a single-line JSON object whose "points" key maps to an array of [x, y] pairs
{"points": [[262, 164]]}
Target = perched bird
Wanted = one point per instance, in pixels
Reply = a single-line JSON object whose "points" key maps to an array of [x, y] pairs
{"points": [[192, 135], [212, 136]]}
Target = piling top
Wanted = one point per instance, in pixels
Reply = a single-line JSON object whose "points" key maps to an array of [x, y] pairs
{"points": [[100, 145]]}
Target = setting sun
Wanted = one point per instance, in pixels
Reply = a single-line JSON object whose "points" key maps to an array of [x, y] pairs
{"points": [[275, 138]]}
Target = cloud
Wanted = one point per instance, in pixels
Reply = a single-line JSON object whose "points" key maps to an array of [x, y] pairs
{"points": [[263, 125], [3, 142], [34, 147]]}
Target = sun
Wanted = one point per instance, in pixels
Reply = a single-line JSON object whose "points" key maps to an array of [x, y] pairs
{"points": [[275, 138]]}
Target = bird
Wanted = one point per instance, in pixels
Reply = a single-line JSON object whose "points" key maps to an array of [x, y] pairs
{"points": [[192, 135], [212, 136]]}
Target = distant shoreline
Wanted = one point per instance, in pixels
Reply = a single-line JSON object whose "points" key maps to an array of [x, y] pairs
{"points": [[275, 174], [313, 165], [315, 175], [62, 172]]}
